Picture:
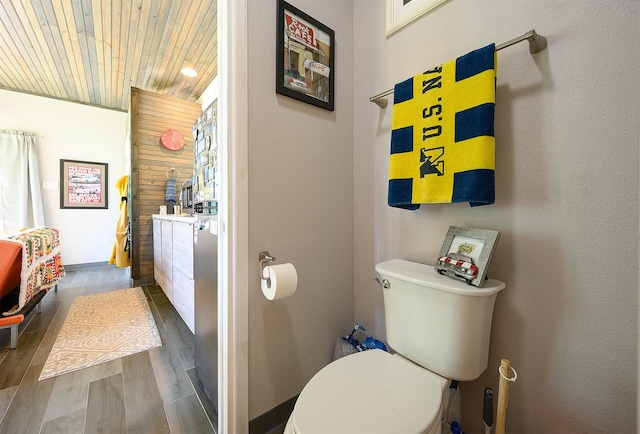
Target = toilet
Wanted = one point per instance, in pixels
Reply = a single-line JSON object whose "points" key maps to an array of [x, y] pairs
{"points": [[439, 329]]}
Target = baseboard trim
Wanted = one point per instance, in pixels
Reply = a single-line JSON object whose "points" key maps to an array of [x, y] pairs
{"points": [[273, 419], [73, 267], [144, 281]]}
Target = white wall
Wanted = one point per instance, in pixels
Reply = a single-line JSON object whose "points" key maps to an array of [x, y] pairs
{"points": [[300, 210], [566, 201], [210, 94], [72, 132]]}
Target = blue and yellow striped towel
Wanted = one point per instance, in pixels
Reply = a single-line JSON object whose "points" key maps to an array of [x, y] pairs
{"points": [[442, 140]]}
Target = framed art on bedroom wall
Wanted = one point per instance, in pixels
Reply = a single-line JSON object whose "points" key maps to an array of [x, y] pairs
{"points": [[305, 65], [83, 185]]}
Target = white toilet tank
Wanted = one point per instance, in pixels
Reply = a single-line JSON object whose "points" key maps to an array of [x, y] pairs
{"points": [[438, 322]]}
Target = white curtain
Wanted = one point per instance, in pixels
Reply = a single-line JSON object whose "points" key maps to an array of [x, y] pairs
{"points": [[20, 193]]}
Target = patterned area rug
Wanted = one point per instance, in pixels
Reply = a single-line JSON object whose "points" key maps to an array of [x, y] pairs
{"points": [[100, 328]]}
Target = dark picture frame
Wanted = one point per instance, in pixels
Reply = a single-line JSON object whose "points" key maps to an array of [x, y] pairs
{"points": [[83, 185], [474, 243], [305, 65]]}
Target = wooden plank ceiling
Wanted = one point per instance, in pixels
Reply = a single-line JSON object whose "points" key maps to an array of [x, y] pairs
{"points": [[94, 51]]}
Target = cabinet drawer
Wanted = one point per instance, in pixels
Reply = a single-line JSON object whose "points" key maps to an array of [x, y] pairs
{"points": [[183, 297], [157, 274], [183, 248], [167, 247], [157, 229], [167, 258], [157, 241], [157, 252]]}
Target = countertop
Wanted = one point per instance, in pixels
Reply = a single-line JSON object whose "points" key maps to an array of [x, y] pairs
{"points": [[175, 217]]}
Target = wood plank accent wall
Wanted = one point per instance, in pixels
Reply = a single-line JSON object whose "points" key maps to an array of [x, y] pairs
{"points": [[150, 115]]}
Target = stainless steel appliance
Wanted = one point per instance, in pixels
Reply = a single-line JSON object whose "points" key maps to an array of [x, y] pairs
{"points": [[206, 303], [205, 209]]}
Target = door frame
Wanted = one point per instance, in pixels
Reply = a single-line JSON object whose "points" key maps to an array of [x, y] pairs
{"points": [[233, 364]]}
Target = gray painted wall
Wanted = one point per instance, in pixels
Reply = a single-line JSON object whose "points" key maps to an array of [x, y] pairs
{"points": [[567, 202], [300, 210], [567, 199]]}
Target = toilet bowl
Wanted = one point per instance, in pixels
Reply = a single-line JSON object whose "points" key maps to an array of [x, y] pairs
{"points": [[440, 330], [370, 392]]}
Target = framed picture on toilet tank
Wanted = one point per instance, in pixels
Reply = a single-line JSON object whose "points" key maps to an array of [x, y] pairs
{"points": [[466, 253], [304, 57]]}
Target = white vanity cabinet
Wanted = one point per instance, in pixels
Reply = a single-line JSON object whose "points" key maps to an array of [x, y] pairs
{"points": [[183, 284], [166, 259], [173, 263], [157, 252]]}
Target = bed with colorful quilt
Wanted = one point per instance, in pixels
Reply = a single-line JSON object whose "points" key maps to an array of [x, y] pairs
{"points": [[30, 266]]}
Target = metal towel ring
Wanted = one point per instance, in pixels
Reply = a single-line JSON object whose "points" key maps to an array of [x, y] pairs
{"points": [[172, 170]]}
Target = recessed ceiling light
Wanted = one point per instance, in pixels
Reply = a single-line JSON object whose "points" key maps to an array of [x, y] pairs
{"points": [[189, 72]]}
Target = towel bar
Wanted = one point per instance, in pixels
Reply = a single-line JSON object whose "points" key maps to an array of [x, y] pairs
{"points": [[537, 43]]}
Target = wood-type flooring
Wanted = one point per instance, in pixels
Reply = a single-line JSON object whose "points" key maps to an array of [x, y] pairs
{"points": [[155, 391]]}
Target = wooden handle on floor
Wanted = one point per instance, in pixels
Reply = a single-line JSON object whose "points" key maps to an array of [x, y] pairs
{"points": [[503, 396]]}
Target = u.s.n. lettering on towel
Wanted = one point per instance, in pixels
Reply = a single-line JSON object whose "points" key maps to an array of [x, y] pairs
{"points": [[432, 158], [442, 139]]}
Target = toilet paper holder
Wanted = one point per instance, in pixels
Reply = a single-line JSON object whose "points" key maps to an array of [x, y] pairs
{"points": [[265, 257]]}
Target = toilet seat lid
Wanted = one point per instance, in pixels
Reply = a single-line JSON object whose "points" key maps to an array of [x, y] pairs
{"points": [[370, 392]]}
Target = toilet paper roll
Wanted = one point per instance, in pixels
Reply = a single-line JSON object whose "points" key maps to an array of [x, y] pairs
{"points": [[281, 281]]}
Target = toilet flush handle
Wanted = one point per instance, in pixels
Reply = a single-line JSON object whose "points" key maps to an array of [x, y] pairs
{"points": [[384, 282]]}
